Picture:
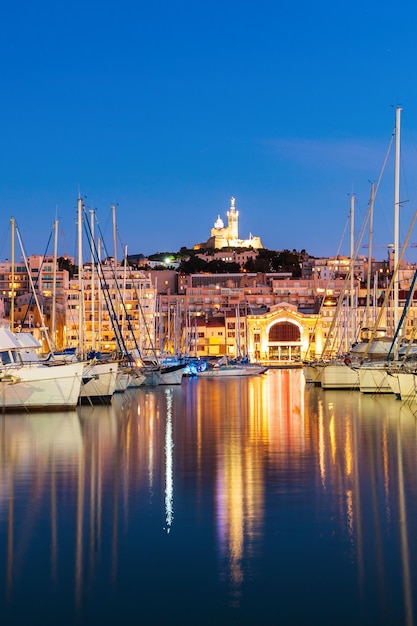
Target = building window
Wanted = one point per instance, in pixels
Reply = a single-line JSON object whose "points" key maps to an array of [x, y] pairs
{"points": [[284, 331]]}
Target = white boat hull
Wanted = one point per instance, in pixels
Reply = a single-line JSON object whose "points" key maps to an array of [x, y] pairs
{"points": [[122, 381], [394, 383], [373, 379], [40, 387], [172, 375], [136, 379], [220, 372], [99, 383], [406, 386], [339, 376], [312, 374]]}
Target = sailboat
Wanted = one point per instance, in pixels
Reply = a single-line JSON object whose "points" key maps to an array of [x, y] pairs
{"points": [[227, 367], [28, 383], [374, 377], [337, 373], [99, 378]]}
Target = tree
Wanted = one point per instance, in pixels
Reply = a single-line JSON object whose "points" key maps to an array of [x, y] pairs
{"points": [[193, 265], [217, 266], [65, 264]]}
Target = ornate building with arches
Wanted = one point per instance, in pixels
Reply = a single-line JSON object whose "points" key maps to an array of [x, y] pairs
{"points": [[284, 334]]}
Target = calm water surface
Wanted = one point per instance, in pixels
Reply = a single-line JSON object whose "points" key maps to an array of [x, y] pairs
{"points": [[246, 501]]}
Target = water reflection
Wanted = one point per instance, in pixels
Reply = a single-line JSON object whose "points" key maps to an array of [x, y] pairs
{"points": [[367, 447], [169, 478], [244, 485]]}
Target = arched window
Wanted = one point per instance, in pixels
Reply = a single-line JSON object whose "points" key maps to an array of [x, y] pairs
{"points": [[284, 331]]}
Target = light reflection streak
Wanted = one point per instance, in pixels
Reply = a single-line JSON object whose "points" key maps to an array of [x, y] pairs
{"points": [[349, 513], [79, 532], [169, 478], [357, 509], [408, 597], [322, 458], [10, 536], [348, 448], [332, 433], [385, 457], [150, 453], [54, 528]]}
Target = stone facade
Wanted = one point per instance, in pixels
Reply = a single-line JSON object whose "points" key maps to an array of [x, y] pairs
{"points": [[222, 236]]}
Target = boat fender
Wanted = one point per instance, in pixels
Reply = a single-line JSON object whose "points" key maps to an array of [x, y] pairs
{"points": [[348, 361]]}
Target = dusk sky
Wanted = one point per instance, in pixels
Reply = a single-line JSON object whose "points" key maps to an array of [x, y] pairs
{"points": [[170, 108]]}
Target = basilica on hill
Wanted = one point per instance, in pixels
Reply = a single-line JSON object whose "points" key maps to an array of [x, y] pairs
{"points": [[222, 236]]}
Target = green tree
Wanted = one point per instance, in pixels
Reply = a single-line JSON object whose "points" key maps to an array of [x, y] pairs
{"points": [[65, 264]]}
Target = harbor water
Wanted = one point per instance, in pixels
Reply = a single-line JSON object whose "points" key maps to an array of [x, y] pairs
{"points": [[254, 500]]}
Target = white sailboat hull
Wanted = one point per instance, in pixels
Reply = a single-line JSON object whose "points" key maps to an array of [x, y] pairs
{"points": [[136, 379], [406, 386], [40, 387], [122, 381], [99, 383], [312, 373], [231, 370], [374, 378], [172, 375], [339, 376]]}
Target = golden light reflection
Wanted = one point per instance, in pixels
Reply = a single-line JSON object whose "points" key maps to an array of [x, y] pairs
{"points": [[332, 433], [273, 426], [321, 446], [233, 439], [348, 449], [169, 478], [349, 513], [385, 457]]}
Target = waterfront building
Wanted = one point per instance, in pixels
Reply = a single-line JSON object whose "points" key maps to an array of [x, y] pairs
{"points": [[282, 318], [279, 333], [16, 286], [117, 301]]}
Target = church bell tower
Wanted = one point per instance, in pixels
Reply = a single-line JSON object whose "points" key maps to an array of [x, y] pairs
{"points": [[232, 222]]}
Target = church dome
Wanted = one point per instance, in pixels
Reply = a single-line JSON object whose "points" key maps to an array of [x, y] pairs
{"points": [[219, 222]]}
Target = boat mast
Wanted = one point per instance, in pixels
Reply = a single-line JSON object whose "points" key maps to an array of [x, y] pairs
{"points": [[12, 276], [80, 280], [123, 324], [116, 281], [368, 278], [100, 276], [396, 208], [352, 276], [38, 306], [93, 338], [53, 320]]}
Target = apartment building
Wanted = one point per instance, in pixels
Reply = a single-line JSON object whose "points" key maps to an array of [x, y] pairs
{"points": [[119, 309]]}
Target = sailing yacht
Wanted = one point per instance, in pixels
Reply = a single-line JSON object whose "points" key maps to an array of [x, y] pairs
{"points": [[226, 367], [374, 377], [28, 383]]}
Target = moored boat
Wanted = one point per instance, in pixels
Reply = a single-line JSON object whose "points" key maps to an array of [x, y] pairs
{"points": [[225, 367], [27, 383], [99, 382]]}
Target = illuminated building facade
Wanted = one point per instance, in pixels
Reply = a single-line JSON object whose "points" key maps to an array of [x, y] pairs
{"points": [[222, 236], [120, 297]]}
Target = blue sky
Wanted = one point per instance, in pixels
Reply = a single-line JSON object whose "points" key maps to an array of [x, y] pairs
{"points": [[170, 108]]}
